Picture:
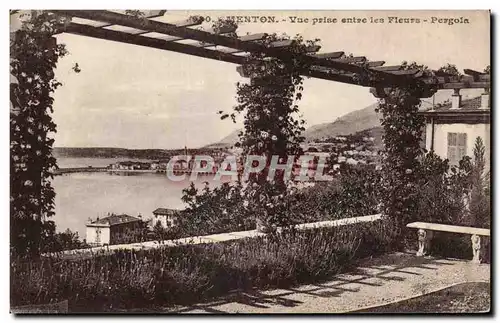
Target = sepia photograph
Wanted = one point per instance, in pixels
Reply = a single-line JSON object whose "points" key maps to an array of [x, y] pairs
{"points": [[250, 161]]}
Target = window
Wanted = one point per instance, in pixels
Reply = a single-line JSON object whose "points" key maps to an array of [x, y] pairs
{"points": [[457, 147]]}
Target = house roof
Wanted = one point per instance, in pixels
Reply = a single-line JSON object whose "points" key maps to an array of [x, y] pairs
{"points": [[471, 104], [164, 211], [469, 112], [115, 220]]}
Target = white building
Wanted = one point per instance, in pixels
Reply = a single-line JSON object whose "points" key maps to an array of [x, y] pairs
{"points": [[166, 217], [113, 229], [452, 128]]}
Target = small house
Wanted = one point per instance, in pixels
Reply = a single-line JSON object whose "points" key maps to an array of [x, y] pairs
{"points": [[114, 229], [166, 217]]}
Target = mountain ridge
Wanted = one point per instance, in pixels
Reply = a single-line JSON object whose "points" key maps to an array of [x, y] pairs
{"points": [[350, 123]]}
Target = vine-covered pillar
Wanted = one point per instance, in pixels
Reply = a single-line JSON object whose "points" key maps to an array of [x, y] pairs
{"points": [[272, 124], [34, 54], [402, 137]]}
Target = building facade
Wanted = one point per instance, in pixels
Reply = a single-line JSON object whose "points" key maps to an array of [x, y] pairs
{"points": [[114, 229], [166, 217], [452, 128]]}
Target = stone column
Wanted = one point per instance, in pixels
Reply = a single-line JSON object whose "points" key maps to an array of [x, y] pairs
{"points": [[424, 242]]}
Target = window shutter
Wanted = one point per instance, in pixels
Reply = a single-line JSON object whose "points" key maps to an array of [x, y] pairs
{"points": [[452, 139], [452, 154], [462, 145], [457, 147]]}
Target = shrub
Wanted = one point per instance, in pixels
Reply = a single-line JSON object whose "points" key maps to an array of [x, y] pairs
{"points": [[189, 273], [453, 195]]}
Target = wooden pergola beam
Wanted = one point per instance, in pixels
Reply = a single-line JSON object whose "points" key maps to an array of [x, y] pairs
{"points": [[375, 63], [469, 71], [356, 59], [387, 68], [461, 85], [99, 33], [478, 76], [122, 37], [169, 29], [329, 55]]}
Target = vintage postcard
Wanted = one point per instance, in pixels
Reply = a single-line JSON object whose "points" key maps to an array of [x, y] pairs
{"points": [[166, 161]]}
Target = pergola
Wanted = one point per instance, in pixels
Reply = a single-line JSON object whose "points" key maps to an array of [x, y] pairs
{"points": [[218, 45]]}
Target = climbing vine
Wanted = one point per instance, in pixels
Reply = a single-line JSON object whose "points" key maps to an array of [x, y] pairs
{"points": [[34, 55], [272, 123], [402, 136]]}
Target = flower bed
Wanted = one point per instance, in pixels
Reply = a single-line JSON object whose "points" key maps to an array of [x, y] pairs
{"points": [[191, 273]]}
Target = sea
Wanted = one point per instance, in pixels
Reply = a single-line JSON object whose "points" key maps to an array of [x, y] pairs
{"points": [[80, 196]]}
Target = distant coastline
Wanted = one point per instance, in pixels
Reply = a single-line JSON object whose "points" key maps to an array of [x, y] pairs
{"points": [[132, 154]]}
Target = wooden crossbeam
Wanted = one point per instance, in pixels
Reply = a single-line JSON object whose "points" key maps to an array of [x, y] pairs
{"points": [[276, 44], [281, 43], [343, 78], [478, 76], [405, 72], [384, 75], [169, 29], [357, 59], [388, 68], [461, 85], [100, 33], [375, 63], [330, 71], [329, 55], [223, 30], [122, 37], [253, 37], [468, 71], [191, 21]]}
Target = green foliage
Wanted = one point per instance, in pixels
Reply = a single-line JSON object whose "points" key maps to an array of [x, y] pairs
{"points": [[450, 69], [480, 203], [34, 56], [453, 195], [272, 124], [353, 192], [61, 241], [402, 134], [222, 209], [191, 273]]}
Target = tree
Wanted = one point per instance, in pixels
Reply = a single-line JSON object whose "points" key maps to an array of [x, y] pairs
{"points": [[479, 207]]}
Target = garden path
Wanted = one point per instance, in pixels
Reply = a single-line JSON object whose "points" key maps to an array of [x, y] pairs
{"points": [[376, 281]]}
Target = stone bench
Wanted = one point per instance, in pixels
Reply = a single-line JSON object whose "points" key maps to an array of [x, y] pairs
{"points": [[425, 233]]}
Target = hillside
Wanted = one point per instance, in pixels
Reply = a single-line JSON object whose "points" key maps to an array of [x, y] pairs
{"points": [[347, 124], [227, 141], [350, 123]]}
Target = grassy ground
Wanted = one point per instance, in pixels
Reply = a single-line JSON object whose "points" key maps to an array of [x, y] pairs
{"points": [[462, 298]]}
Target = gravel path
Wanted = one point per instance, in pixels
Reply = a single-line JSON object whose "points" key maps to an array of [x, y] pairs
{"points": [[376, 281]]}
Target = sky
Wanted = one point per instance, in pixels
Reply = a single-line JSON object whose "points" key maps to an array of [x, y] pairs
{"points": [[137, 97]]}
